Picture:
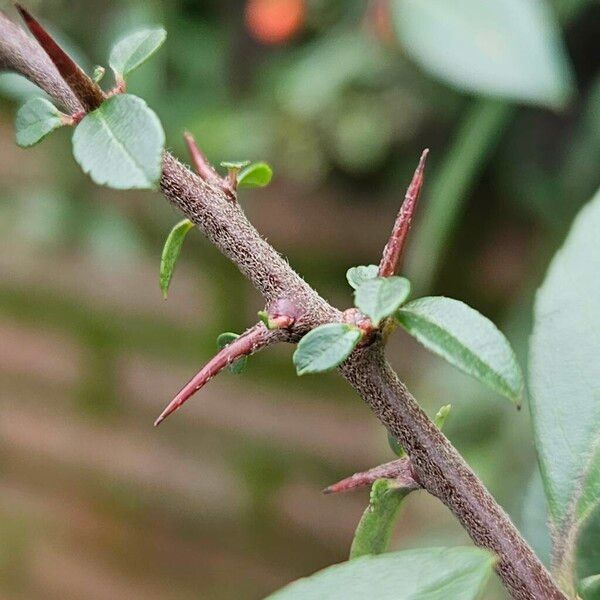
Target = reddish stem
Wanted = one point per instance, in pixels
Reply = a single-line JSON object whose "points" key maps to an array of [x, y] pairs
{"points": [[86, 90], [400, 470], [254, 339], [392, 252]]}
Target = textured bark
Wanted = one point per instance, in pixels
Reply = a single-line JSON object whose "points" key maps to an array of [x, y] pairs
{"points": [[435, 462]]}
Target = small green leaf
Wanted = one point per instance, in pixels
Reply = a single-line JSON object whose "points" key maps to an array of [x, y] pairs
{"points": [[237, 366], [130, 52], [237, 165], [376, 526], [506, 48], [424, 574], [255, 175], [325, 347], [356, 276], [395, 446], [120, 144], [98, 74], [466, 339], [589, 588], [170, 253], [381, 297], [35, 120], [442, 415]]}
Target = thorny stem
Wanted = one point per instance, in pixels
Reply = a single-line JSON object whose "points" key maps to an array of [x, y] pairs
{"points": [[392, 253], [436, 464], [254, 339]]}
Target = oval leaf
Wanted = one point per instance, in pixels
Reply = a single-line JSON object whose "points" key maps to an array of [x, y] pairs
{"points": [[255, 175], [129, 53], [381, 297], [425, 574], [506, 48], [325, 347], [589, 588], [120, 144], [237, 366], [564, 374], [356, 276], [35, 120], [467, 340], [376, 525], [170, 253]]}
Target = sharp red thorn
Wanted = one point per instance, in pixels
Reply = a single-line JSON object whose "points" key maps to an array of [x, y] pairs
{"points": [[84, 88], [392, 253]]}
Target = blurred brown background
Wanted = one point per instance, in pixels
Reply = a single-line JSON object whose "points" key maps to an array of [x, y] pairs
{"points": [[223, 501]]}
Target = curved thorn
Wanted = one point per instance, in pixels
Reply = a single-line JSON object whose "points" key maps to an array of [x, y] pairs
{"points": [[392, 252], [252, 340]]}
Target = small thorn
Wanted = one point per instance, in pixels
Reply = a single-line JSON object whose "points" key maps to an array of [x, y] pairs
{"points": [[392, 253], [84, 88]]}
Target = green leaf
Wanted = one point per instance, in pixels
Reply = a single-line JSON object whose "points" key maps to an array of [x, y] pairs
{"points": [[424, 574], [467, 340], [564, 373], [325, 347], [255, 175], [376, 525], [35, 120], [130, 52], [356, 276], [237, 366], [98, 73], [395, 446], [381, 297], [170, 253], [237, 165], [120, 144], [442, 415], [506, 48], [589, 588]]}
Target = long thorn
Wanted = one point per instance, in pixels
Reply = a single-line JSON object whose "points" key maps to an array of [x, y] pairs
{"points": [[86, 90], [254, 339], [399, 470], [392, 253]]}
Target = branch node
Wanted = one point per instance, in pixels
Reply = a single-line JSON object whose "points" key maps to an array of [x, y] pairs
{"points": [[392, 253]]}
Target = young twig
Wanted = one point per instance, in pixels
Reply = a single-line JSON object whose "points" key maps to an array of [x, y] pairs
{"points": [[399, 470], [254, 339], [436, 464], [392, 253]]}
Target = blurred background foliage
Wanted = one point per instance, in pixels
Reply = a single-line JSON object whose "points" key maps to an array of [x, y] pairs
{"points": [[341, 97]]}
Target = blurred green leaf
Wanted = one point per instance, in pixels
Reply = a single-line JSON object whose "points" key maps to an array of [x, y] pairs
{"points": [[424, 574], [255, 175], [356, 276], [466, 339], [589, 588], [534, 518], [170, 253], [129, 53], [442, 415], [564, 371], [381, 297], [98, 74], [376, 525], [506, 48], [237, 366], [35, 120], [120, 144], [325, 347]]}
